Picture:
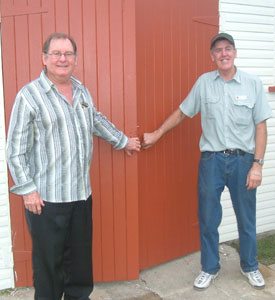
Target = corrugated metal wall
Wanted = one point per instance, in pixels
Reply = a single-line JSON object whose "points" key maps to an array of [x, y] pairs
{"points": [[105, 34], [172, 51]]}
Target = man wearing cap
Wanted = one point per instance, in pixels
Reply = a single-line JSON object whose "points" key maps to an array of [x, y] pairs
{"points": [[234, 110]]}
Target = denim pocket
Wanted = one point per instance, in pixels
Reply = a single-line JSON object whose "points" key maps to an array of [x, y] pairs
{"points": [[207, 155], [247, 158]]}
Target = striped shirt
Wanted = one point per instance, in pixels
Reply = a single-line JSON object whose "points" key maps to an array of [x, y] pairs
{"points": [[50, 142]]}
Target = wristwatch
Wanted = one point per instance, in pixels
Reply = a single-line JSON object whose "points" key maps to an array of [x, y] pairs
{"points": [[259, 161]]}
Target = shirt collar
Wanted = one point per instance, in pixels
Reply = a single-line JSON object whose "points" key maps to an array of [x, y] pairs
{"points": [[236, 77], [48, 85]]}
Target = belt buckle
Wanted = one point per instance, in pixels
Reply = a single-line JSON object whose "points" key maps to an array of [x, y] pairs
{"points": [[230, 151]]}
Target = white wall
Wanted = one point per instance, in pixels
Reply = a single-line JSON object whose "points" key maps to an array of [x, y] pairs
{"points": [[252, 24], [6, 257]]}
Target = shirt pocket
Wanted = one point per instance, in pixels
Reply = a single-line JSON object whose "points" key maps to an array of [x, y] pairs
{"points": [[87, 120], [211, 106], [243, 111]]}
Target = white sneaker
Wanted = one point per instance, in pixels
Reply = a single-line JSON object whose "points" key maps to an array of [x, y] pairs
{"points": [[255, 278], [203, 280]]}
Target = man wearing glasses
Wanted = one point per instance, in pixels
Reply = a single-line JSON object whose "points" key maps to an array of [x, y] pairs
{"points": [[49, 151], [233, 110]]}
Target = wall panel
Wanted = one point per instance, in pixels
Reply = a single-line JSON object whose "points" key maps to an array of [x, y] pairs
{"points": [[172, 51], [105, 34]]}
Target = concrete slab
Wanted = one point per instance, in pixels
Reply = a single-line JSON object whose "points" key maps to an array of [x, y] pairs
{"points": [[174, 281], [18, 294]]}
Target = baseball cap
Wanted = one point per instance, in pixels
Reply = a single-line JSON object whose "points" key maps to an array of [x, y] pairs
{"points": [[222, 35]]}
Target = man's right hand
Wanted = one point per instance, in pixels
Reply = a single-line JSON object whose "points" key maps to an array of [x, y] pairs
{"points": [[33, 202], [149, 139]]}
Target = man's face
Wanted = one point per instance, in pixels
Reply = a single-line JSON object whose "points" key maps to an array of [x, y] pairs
{"points": [[224, 54], [60, 67]]}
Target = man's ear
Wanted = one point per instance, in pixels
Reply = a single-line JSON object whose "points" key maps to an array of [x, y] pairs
{"points": [[44, 59], [212, 57]]}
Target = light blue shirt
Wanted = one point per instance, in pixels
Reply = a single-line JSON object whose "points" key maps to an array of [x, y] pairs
{"points": [[229, 110]]}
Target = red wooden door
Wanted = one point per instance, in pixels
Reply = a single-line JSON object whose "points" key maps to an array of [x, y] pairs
{"points": [[173, 40], [104, 31], [21, 38], [139, 58]]}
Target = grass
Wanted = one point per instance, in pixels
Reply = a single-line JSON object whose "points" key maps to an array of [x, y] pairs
{"points": [[5, 292], [266, 249]]}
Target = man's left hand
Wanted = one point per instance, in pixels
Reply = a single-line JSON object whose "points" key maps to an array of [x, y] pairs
{"points": [[133, 145], [254, 177]]}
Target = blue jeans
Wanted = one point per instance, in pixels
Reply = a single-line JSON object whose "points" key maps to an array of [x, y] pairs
{"points": [[217, 170]]}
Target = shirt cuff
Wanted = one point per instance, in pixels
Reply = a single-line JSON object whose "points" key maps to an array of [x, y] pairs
{"points": [[24, 189], [122, 143]]}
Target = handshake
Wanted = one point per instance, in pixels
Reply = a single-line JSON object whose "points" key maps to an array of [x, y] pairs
{"points": [[149, 139]]}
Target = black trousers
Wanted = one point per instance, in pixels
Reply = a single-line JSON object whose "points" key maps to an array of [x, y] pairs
{"points": [[62, 250]]}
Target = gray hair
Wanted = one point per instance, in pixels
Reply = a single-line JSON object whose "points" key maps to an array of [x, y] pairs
{"points": [[57, 36]]}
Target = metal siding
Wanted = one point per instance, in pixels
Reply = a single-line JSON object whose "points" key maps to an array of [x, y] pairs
{"points": [[172, 51], [105, 35]]}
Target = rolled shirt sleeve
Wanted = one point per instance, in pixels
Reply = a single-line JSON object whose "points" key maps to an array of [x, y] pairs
{"points": [[19, 144]]}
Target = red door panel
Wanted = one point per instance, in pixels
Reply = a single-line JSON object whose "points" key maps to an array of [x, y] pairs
{"points": [[172, 51]]}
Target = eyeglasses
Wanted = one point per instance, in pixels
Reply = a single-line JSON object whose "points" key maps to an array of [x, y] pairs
{"points": [[58, 54]]}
